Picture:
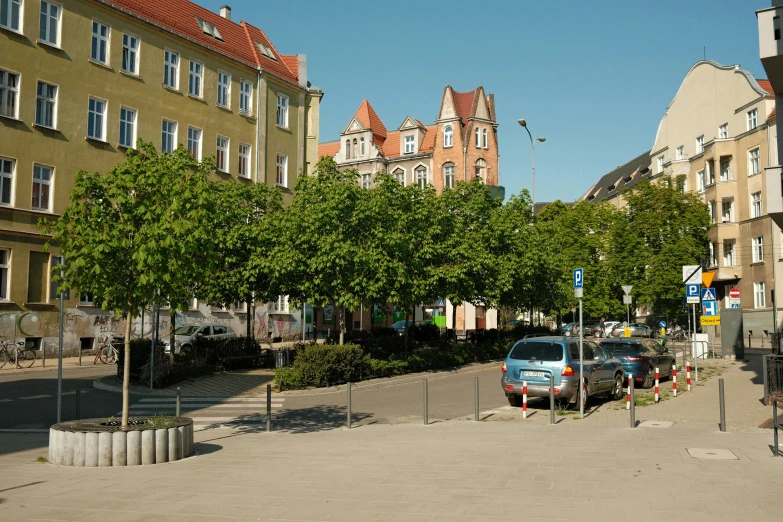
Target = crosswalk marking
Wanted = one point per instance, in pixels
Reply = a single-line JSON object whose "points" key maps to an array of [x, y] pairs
{"points": [[213, 399], [34, 397], [245, 410]]}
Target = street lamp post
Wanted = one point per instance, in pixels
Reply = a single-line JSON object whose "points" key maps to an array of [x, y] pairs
{"points": [[523, 123]]}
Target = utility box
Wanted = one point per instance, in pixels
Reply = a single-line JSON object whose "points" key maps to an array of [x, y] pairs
{"points": [[702, 348], [731, 338]]}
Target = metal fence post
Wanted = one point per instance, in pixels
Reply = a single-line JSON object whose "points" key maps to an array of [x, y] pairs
{"points": [[765, 376], [178, 410], [776, 450], [43, 357], [476, 399], [426, 404], [722, 399], [80, 354], [268, 408], [633, 403], [348, 419], [78, 402], [551, 399]]}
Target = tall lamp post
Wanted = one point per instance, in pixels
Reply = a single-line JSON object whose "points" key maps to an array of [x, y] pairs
{"points": [[523, 123]]}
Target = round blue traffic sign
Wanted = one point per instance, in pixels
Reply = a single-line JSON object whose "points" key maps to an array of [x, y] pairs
{"points": [[662, 324]]}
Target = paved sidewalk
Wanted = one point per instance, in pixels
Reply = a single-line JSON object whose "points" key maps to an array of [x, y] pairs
{"points": [[238, 383], [51, 365]]}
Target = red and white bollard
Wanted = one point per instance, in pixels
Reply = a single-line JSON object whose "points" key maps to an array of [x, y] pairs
{"points": [[674, 379], [524, 399], [628, 395], [657, 381], [688, 374]]}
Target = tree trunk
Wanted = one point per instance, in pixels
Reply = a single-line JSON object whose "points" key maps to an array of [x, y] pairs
{"points": [[172, 337], [126, 369], [249, 317], [342, 325], [454, 320]]}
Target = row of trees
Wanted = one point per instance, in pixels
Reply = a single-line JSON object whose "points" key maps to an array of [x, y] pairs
{"points": [[155, 228]]}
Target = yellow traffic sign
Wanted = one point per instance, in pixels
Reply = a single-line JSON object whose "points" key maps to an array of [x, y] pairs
{"points": [[710, 320], [707, 277], [626, 332]]}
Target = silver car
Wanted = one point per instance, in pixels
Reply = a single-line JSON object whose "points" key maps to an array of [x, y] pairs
{"points": [[186, 334]]}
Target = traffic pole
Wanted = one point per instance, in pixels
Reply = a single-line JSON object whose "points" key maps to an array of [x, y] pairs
{"points": [[524, 399], [688, 374], [674, 379], [657, 382], [628, 395]]}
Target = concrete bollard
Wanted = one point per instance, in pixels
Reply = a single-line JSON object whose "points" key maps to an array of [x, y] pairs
{"points": [[633, 405], [134, 448], [52, 447], [147, 447], [657, 382], [66, 448], [80, 450], [119, 448], [722, 399], [426, 404], [524, 399], [91, 451], [628, 394], [688, 375], [268, 408], [104, 449], [161, 446], [182, 438]]}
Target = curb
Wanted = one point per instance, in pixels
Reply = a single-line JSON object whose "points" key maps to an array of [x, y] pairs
{"points": [[47, 369], [98, 384]]}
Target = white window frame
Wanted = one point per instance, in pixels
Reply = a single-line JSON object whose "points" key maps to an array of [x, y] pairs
{"points": [[725, 173], [86, 298], [399, 175], [660, 164], [240, 306], [700, 144], [9, 24], [701, 180], [266, 50], [282, 111], [281, 170], [367, 181], [713, 205], [410, 145], [52, 23], [43, 101], [680, 153], [729, 254], [280, 305], [755, 205], [361, 147], [754, 161], [723, 131], [224, 89], [130, 54], [98, 41], [448, 176], [42, 182], [485, 142], [209, 29], [7, 178], [9, 94], [100, 116], [222, 148], [128, 125], [757, 249], [5, 273], [195, 138], [245, 97], [752, 119], [420, 177], [448, 136], [478, 138], [243, 160], [709, 168], [196, 79], [168, 137], [724, 217], [759, 294], [171, 69], [713, 247]]}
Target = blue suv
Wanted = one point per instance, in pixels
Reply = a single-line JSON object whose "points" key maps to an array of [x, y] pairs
{"points": [[535, 359]]}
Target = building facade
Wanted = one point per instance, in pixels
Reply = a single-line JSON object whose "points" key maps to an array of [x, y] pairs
{"points": [[459, 146], [82, 80]]}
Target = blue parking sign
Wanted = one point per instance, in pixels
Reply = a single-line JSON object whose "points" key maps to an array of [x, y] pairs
{"points": [[578, 277]]}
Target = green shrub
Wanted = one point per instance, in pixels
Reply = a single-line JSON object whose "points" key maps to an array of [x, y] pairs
{"points": [[385, 368], [324, 365]]}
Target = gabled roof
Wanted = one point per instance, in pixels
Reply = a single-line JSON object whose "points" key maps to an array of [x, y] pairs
{"points": [[464, 104], [179, 17], [370, 120], [428, 143], [624, 176], [766, 85], [328, 149]]}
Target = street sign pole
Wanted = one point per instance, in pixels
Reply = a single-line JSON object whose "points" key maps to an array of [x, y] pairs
{"points": [[693, 334], [60, 357], [578, 283]]}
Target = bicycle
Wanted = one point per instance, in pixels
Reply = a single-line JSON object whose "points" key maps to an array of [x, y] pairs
{"points": [[106, 353], [23, 356]]}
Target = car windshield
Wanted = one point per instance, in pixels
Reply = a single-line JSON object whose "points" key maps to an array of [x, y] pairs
{"points": [[540, 351], [622, 347], [400, 324], [186, 330]]}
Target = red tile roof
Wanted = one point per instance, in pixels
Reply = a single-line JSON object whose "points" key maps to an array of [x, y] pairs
{"points": [[464, 104], [328, 149], [292, 62], [179, 17], [772, 115], [391, 147], [428, 143], [766, 85], [369, 118]]}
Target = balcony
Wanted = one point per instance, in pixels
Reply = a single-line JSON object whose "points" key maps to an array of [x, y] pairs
{"points": [[774, 182]]}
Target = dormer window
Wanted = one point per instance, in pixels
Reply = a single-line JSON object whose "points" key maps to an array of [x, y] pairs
{"points": [[266, 50], [409, 145], [209, 29], [448, 136]]}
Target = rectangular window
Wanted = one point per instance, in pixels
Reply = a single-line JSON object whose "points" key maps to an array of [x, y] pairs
{"points": [[244, 160], [680, 153], [239, 306], [11, 15], [130, 54], [729, 257], [723, 131], [484, 139], [660, 164], [713, 254], [46, 105], [42, 183], [282, 170], [224, 89], [100, 43], [701, 180], [727, 210], [399, 174], [5, 267], [194, 80], [221, 154], [409, 145], [6, 181], [280, 306], [700, 144], [759, 294], [713, 211], [194, 142], [725, 169], [38, 277], [171, 69], [448, 176], [127, 127], [710, 166], [421, 178], [361, 147], [53, 285], [96, 119], [86, 298], [758, 249], [9, 93], [755, 205], [245, 97], [282, 111], [753, 119], [49, 29], [367, 181], [168, 136], [478, 137], [754, 167]]}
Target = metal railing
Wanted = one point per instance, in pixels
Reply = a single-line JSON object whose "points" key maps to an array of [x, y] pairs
{"points": [[775, 427], [772, 372]]}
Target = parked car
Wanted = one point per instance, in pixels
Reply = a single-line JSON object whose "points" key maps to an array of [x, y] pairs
{"points": [[608, 326], [569, 328], [537, 358], [399, 326], [640, 357], [185, 335], [637, 330]]}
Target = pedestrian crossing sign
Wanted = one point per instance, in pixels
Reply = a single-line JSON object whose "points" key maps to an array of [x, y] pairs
{"points": [[708, 294]]}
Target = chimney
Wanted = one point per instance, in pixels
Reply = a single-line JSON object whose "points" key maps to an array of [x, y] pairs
{"points": [[225, 12], [302, 59]]}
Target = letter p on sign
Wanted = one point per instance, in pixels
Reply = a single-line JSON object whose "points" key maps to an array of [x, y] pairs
{"points": [[578, 277]]}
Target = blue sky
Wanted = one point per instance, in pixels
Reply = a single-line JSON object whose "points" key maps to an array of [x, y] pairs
{"points": [[593, 77]]}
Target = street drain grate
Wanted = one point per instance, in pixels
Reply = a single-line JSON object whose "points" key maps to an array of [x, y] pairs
{"points": [[712, 454], [656, 424]]}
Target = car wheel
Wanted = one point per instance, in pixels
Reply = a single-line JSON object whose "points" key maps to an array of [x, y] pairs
{"points": [[567, 333], [585, 397], [617, 391], [649, 378], [514, 400]]}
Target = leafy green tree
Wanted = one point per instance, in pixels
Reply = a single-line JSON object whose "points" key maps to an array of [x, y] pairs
{"points": [[122, 231]]}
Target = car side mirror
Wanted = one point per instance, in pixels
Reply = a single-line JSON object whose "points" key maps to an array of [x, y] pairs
{"points": [[199, 334]]}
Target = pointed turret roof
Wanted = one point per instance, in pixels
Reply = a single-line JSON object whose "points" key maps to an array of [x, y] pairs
{"points": [[369, 118]]}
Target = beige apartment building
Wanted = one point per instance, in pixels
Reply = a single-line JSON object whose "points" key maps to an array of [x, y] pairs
{"points": [[82, 80]]}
